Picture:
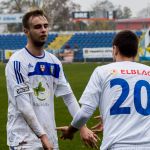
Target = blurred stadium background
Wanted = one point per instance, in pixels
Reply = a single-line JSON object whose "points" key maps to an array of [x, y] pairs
{"points": [[74, 36]]}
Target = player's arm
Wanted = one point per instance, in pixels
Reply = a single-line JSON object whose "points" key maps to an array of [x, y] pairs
{"points": [[92, 95], [73, 107], [78, 122], [64, 90], [89, 100], [26, 109], [71, 103], [17, 81]]}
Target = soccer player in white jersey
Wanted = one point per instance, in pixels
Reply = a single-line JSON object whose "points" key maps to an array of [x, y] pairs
{"points": [[121, 91], [33, 77]]}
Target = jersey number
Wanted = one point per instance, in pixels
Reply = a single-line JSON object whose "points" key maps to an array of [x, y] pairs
{"points": [[116, 109]]}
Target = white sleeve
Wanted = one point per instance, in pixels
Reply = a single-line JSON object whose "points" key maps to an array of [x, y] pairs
{"points": [[19, 90], [92, 93], [63, 86], [17, 78], [72, 104], [82, 116], [26, 109]]}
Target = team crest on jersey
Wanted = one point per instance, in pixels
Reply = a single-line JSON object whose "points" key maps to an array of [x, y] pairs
{"points": [[52, 69], [42, 68]]}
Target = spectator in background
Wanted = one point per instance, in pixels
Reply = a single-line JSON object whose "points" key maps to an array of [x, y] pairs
{"points": [[67, 47], [68, 54]]}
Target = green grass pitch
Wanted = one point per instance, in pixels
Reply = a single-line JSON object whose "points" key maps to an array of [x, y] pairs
{"points": [[78, 75]]}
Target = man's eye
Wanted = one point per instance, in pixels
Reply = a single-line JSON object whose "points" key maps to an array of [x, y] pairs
{"points": [[45, 25], [40, 26], [37, 27]]}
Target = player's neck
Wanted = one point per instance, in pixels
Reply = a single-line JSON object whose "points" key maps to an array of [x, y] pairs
{"points": [[122, 58], [35, 51]]}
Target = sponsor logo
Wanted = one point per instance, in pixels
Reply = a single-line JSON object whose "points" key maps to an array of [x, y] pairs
{"points": [[40, 104], [52, 69], [40, 92], [23, 89], [114, 72], [131, 72]]}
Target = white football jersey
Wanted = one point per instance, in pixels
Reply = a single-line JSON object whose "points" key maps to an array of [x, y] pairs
{"points": [[42, 78], [121, 90]]}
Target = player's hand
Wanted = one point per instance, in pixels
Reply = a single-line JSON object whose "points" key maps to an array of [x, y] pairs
{"points": [[66, 134], [45, 142], [98, 127], [89, 138]]}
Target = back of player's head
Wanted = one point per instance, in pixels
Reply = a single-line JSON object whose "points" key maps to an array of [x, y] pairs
{"points": [[127, 43], [33, 13]]}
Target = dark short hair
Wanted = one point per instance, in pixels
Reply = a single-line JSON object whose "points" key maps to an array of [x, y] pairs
{"points": [[33, 13], [127, 43]]}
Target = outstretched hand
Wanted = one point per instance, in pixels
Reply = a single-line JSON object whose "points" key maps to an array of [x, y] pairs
{"points": [[89, 138], [99, 126], [66, 133]]}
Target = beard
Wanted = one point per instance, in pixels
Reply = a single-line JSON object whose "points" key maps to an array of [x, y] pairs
{"points": [[36, 42]]}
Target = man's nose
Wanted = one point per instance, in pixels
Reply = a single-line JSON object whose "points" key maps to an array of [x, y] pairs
{"points": [[43, 28]]}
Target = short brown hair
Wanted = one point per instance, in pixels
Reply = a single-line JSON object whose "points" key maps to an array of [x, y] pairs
{"points": [[34, 13], [127, 43]]}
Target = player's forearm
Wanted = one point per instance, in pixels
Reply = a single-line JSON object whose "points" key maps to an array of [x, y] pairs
{"points": [[82, 116], [72, 104], [29, 115]]}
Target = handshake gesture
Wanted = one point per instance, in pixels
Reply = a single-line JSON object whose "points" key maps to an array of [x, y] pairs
{"points": [[88, 136]]}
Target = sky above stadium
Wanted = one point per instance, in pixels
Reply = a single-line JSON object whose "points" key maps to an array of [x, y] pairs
{"points": [[134, 5]]}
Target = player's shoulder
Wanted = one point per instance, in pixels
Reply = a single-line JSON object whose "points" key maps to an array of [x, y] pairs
{"points": [[18, 55], [105, 67], [143, 66], [52, 57], [123, 64], [16, 59], [135, 65]]}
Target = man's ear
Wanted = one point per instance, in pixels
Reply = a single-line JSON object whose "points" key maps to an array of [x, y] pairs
{"points": [[25, 31], [115, 50]]}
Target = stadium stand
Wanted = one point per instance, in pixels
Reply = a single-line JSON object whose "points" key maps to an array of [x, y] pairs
{"points": [[57, 41], [18, 41], [91, 40]]}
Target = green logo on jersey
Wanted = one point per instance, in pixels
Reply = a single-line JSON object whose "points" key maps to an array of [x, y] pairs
{"points": [[38, 90]]}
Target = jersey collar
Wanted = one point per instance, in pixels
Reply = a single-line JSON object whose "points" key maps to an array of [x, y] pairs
{"points": [[39, 57]]}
